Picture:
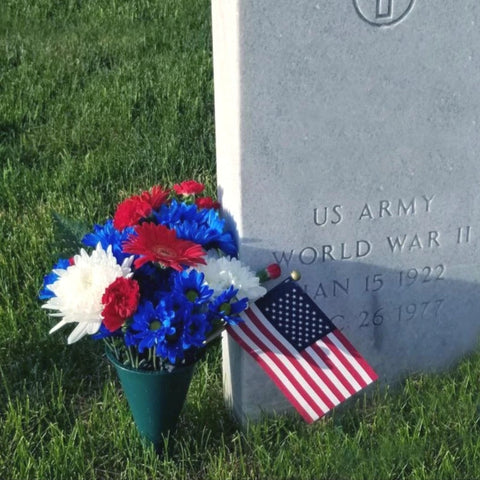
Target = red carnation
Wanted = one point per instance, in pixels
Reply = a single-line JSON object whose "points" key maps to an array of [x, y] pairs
{"points": [[207, 202], [269, 273], [133, 209], [157, 243], [121, 300], [273, 271], [189, 187], [130, 212]]}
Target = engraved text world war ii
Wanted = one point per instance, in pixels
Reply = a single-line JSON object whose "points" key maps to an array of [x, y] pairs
{"points": [[347, 148]]}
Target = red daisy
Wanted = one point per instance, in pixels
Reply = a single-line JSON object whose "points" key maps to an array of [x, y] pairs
{"points": [[156, 196], [189, 187], [157, 243], [133, 209], [130, 212], [121, 300], [207, 202]]}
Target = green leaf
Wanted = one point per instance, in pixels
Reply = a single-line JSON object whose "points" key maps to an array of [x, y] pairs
{"points": [[68, 235]]}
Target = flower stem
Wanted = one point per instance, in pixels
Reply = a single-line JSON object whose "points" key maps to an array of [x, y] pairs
{"points": [[154, 357], [134, 358], [111, 346]]}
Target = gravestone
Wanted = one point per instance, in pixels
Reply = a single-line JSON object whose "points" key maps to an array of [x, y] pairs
{"points": [[348, 148]]}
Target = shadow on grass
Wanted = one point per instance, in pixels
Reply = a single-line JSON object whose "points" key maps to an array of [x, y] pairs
{"points": [[47, 373]]}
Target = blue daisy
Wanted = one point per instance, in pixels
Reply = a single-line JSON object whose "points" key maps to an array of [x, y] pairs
{"points": [[203, 226], [217, 236], [107, 235], [172, 344], [176, 213], [224, 308], [51, 278], [150, 326], [195, 330], [191, 286], [153, 281], [208, 237]]}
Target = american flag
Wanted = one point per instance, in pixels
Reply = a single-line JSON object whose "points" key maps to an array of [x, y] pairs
{"points": [[300, 349]]}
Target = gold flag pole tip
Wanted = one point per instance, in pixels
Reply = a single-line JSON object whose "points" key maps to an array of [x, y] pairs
{"points": [[295, 275]]}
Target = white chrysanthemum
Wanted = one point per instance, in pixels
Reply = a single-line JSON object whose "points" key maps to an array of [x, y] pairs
{"points": [[221, 273], [80, 287]]}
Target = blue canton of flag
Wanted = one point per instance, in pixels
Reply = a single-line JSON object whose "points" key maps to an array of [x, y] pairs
{"points": [[302, 351]]}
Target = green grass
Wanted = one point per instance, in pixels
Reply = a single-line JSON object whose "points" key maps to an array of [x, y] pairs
{"points": [[100, 99]]}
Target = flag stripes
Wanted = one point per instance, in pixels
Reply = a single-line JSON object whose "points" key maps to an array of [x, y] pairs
{"points": [[291, 360], [276, 374], [314, 380], [292, 357]]}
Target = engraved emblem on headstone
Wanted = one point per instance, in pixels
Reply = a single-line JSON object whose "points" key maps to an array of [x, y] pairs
{"points": [[382, 13]]}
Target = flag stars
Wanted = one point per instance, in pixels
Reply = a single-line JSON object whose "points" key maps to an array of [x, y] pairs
{"points": [[296, 318]]}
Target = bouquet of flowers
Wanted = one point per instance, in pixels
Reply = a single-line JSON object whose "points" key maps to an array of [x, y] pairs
{"points": [[160, 282]]}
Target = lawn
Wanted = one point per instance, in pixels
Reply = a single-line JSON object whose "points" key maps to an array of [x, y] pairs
{"points": [[100, 99]]}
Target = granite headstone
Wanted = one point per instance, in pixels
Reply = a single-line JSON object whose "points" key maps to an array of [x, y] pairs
{"points": [[348, 148]]}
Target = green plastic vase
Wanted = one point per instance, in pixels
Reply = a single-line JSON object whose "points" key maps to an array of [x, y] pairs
{"points": [[155, 398]]}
